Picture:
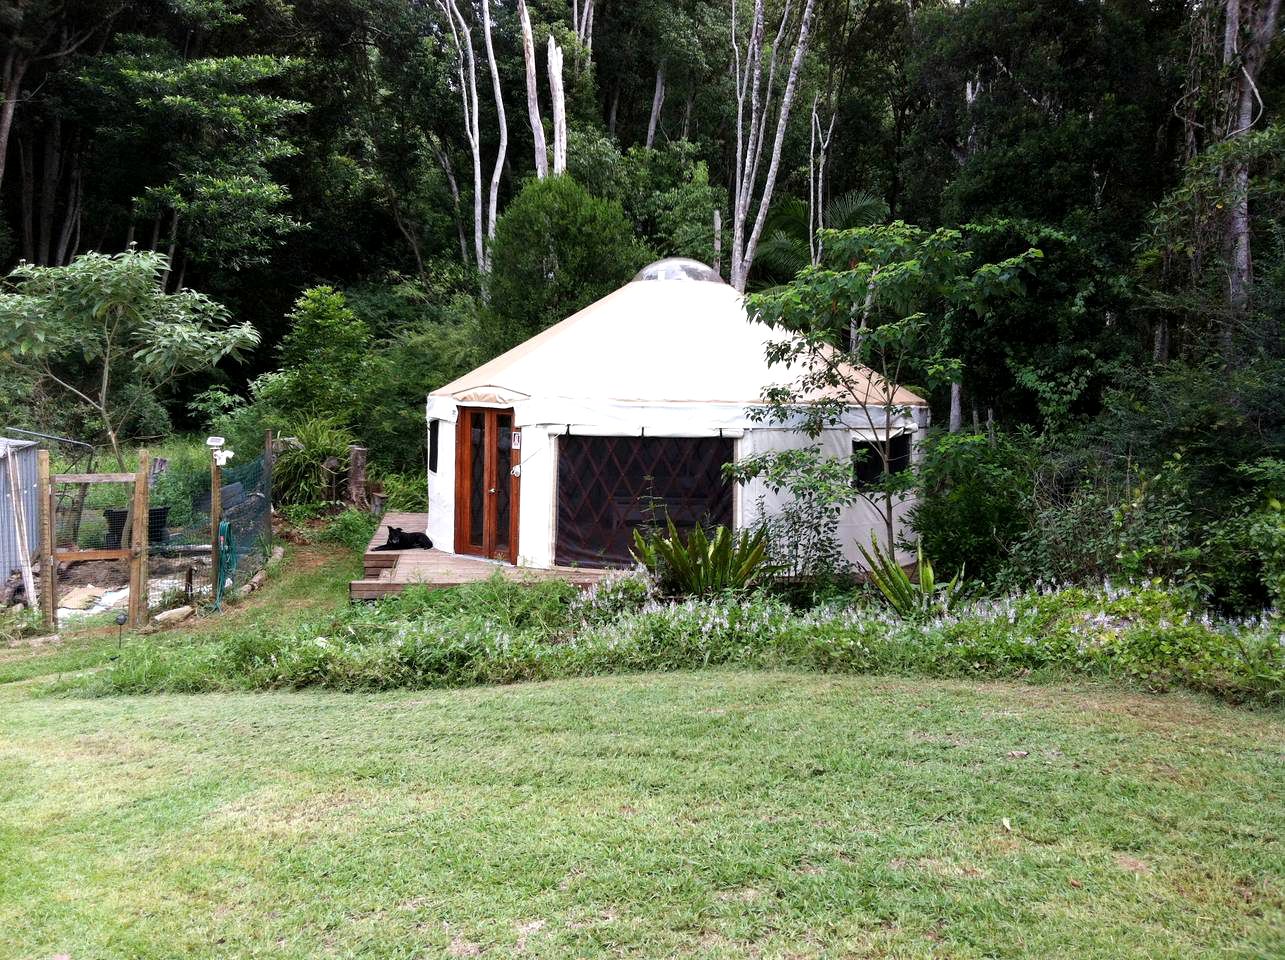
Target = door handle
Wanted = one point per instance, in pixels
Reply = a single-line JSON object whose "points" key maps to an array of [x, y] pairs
{"points": [[492, 490]]}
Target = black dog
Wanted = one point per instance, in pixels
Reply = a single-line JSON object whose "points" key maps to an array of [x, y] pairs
{"points": [[399, 539]]}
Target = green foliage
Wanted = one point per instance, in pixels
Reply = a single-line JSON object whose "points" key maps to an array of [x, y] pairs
{"points": [[352, 529], [333, 368], [401, 371], [556, 249], [15, 625], [186, 479], [614, 596], [324, 358], [787, 244], [217, 135], [702, 565], [913, 598], [802, 528], [104, 329], [504, 632], [300, 473], [402, 491], [975, 498], [665, 192]]}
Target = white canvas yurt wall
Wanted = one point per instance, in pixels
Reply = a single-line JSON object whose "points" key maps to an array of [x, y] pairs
{"points": [[670, 355]]}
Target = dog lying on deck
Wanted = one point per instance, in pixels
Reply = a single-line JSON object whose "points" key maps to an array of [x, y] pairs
{"points": [[399, 539]]}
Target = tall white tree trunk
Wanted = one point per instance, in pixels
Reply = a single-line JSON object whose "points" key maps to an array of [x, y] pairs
{"points": [[532, 94], [501, 120], [972, 90], [657, 104], [466, 68], [755, 94], [956, 407], [1249, 28], [818, 155], [718, 242], [466, 64], [11, 75], [559, 108]]}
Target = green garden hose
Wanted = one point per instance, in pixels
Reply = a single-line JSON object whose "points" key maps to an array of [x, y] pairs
{"points": [[227, 561]]}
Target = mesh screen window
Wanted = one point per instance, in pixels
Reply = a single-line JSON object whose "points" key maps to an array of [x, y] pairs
{"points": [[608, 486]]}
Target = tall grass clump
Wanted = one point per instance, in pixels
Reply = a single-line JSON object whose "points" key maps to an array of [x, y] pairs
{"points": [[300, 474]]}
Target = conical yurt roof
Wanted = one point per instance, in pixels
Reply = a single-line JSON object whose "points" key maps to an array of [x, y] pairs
{"points": [[675, 334]]}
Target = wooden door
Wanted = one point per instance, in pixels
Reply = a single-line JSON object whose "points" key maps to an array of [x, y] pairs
{"points": [[487, 448]]}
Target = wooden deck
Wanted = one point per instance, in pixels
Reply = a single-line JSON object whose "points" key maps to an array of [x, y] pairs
{"points": [[392, 571]]}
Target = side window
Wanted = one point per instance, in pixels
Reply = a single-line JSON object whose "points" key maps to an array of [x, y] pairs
{"points": [[869, 464], [433, 430]]}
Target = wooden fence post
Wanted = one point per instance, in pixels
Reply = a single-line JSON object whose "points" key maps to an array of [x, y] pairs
{"points": [[48, 570], [269, 460], [139, 535], [216, 514], [357, 475]]}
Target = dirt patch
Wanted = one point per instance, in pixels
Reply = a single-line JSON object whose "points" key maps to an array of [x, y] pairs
{"points": [[1132, 864], [115, 573]]}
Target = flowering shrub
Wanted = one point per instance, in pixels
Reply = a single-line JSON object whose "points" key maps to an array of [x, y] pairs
{"points": [[501, 632]]}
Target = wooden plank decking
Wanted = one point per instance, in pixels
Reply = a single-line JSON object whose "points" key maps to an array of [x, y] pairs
{"points": [[392, 571]]}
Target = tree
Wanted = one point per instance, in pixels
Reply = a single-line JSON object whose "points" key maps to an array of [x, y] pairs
{"points": [[556, 249], [755, 93], [790, 240], [41, 32], [873, 316], [466, 67], [104, 330], [665, 192], [533, 93], [323, 356], [1220, 108]]}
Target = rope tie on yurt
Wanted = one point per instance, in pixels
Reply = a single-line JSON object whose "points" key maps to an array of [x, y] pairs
{"points": [[227, 561]]}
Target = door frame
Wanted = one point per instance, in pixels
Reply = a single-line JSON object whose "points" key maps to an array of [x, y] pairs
{"points": [[490, 480]]}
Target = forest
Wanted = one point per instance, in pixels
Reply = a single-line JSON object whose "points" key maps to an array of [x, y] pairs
{"points": [[231, 215]]}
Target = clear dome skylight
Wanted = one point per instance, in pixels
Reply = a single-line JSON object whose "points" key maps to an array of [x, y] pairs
{"points": [[678, 268]]}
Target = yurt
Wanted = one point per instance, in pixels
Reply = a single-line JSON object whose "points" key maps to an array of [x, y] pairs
{"points": [[622, 414]]}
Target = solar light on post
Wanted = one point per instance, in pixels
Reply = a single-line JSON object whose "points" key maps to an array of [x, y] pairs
{"points": [[218, 457]]}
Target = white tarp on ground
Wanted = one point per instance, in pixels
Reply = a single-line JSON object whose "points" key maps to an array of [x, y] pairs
{"points": [[667, 357]]}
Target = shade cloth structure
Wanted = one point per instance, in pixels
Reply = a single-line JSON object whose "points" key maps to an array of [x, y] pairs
{"points": [[671, 355]]}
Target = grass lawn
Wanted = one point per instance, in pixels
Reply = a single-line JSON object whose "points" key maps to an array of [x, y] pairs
{"points": [[712, 814], [315, 580]]}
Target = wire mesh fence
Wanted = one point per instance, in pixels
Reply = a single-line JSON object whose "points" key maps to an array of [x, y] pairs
{"points": [[180, 527]]}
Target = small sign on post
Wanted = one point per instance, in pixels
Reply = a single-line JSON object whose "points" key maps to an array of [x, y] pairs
{"points": [[216, 510]]}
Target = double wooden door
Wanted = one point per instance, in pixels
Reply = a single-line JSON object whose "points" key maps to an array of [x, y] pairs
{"points": [[487, 449]]}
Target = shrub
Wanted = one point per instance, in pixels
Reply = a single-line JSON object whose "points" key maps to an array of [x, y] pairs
{"points": [[14, 625], [556, 249], [323, 357], [352, 529], [502, 632], [912, 598], [402, 491], [975, 499], [615, 596], [702, 565], [300, 474], [185, 482]]}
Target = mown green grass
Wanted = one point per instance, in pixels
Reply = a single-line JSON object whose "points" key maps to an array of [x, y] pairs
{"points": [[312, 582], [706, 814]]}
